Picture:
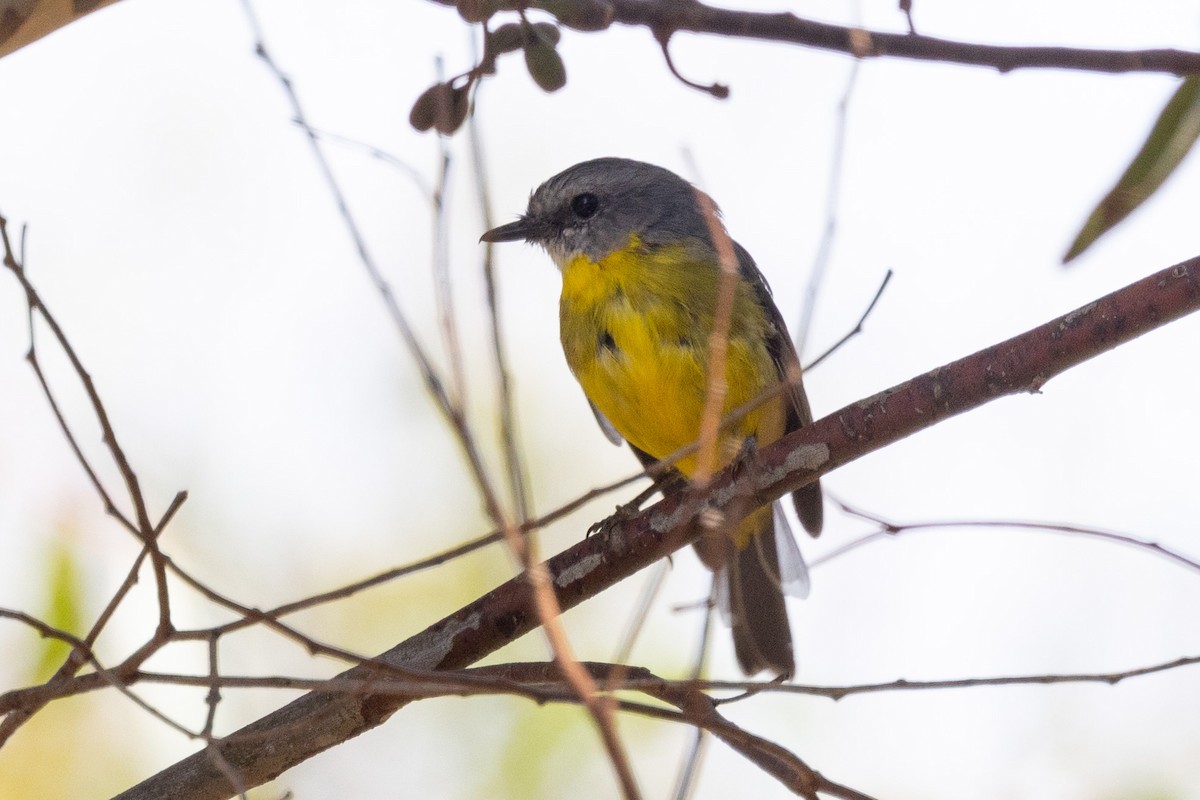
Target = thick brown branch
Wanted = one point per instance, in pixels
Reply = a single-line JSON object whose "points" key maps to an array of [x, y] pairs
{"points": [[1024, 363]]}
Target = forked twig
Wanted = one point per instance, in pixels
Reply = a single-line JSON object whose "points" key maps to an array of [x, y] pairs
{"points": [[146, 532], [858, 327]]}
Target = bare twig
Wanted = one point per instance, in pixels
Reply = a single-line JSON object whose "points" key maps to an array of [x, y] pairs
{"points": [[517, 679], [509, 431], [641, 610], [142, 528], [48, 631], [443, 295], [907, 10], [131, 577], [698, 709], [890, 529], [718, 343], [838, 692], [816, 275], [378, 153], [717, 90], [858, 327], [18, 714], [689, 771]]}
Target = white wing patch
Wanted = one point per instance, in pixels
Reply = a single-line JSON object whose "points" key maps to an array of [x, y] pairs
{"points": [[793, 572], [792, 569], [610, 432]]}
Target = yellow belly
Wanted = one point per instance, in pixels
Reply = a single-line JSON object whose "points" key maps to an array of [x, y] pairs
{"points": [[635, 332]]}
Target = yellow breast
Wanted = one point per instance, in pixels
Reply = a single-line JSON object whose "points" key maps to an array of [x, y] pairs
{"points": [[635, 329]]}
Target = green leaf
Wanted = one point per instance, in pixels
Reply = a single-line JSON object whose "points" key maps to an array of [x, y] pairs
{"points": [[64, 607], [1170, 139]]}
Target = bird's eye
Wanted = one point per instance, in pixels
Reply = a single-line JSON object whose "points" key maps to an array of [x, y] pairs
{"points": [[585, 205]]}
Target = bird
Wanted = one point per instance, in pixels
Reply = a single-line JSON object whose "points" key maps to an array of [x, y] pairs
{"points": [[634, 243]]}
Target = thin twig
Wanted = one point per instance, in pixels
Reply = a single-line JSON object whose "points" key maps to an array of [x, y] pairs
{"points": [[12, 720], [889, 529], [509, 431], [858, 327], [717, 90], [380, 154], [143, 529], [816, 274], [839, 692], [718, 343], [907, 10], [689, 772], [145, 532], [443, 296], [641, 610], [33, 304]]}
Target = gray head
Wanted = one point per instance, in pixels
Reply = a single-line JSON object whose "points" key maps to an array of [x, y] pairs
{"points": [[595, 206]]}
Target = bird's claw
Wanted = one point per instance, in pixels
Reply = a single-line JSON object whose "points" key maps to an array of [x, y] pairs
{"points": [[622, 513]]}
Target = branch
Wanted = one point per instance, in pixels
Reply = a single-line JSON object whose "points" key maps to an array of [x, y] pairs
{"points": [[667, 17], [1025, 363]]}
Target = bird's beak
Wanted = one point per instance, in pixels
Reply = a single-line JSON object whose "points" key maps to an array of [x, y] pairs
{"points": [[521, 230]]}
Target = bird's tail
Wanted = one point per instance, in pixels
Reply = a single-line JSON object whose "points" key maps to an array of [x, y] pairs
{"points": [[753, 597]]}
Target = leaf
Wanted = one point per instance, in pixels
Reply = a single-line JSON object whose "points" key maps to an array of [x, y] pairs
{"points": [[1170, 140], [542, 60], [474, 10], [506, 39], [548, 32], [442, 107], [64, 607]]}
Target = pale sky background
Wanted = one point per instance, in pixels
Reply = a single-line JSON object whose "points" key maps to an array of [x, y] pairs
{"points": [[179, 229]]}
